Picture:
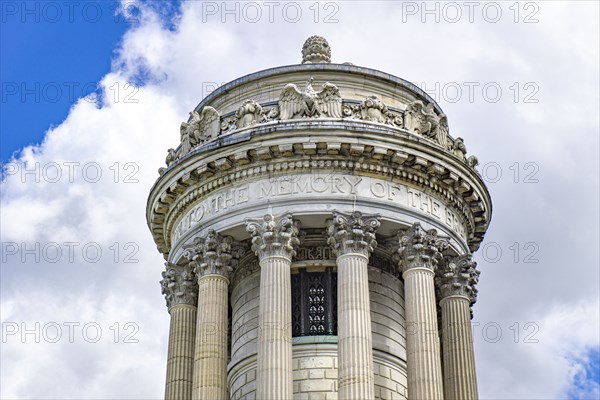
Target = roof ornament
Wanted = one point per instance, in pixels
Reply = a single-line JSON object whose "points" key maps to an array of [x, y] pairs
{"points": [[316, 50]]}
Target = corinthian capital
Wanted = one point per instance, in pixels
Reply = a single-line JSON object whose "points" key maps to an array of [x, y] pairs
{"points": [[352, 233], [212, 255], [419, 248], [457, 276], [273, 236], [179, 285]]}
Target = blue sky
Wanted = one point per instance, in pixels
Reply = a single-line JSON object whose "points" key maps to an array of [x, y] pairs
{"points": [[53, 53], [587, 377], [559, 133], [50, 57]]}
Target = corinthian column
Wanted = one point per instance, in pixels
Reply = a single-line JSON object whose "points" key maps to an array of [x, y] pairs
{"points": [[456, 279], [274, 241], [181, 292], [352, 237], [419, 254], [211, 257]]}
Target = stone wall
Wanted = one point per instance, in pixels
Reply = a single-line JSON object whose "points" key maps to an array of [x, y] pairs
{"points": [[314, 359], [244, 333], [315, 366], [389, 335]]}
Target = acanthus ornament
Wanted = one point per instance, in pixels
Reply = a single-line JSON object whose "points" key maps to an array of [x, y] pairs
{"points": [[352, 233], [213, 254], [273, 236], [419, 248], [458, 276], [179, 285]]}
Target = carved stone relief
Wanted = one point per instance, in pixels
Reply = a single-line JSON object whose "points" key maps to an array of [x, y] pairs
{"points": [[293, 103]]}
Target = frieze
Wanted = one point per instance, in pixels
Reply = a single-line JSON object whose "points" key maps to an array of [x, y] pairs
{"points": [[334, 185], [418, 118], [315, 253]]}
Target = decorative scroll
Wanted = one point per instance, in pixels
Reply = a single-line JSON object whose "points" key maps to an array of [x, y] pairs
{"points": [[372, 109], [318, 253], [250, 113]]}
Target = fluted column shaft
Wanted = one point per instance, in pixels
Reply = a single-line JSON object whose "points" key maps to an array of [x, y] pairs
{"points": [[180, 358], [460, 382], [419, 252], [456, 280], [422, 347], [181, 293], [274, 241], [352, 238], [210, 360], [274, 374], [355, 342]]}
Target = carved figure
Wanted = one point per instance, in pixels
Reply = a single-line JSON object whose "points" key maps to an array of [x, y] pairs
{"points": [[203, 127], [421, 118], [310, 103], [171, 157], [459, 148], [442, 131], [472, 161], [249, 113]]}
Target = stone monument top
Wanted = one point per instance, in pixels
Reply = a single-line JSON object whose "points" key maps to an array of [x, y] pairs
{"points": [[316, 50]]}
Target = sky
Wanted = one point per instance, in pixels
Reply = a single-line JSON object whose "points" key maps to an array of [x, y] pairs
{"points": [[92, 97]]}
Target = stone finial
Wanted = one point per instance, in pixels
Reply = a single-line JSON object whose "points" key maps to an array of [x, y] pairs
{"points": [[273, 236], [316, 50], [212, 255], [457, 276], [352, 233], [419, 248], [179, 285]]}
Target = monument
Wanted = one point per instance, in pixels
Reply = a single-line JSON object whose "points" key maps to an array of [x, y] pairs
{"points": [[318, 222]]}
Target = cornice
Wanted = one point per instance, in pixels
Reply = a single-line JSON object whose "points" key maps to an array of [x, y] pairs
{"points": [[359, 148]]}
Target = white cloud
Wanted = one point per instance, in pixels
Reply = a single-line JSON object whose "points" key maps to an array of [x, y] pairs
{"points": [[560, 213]]}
